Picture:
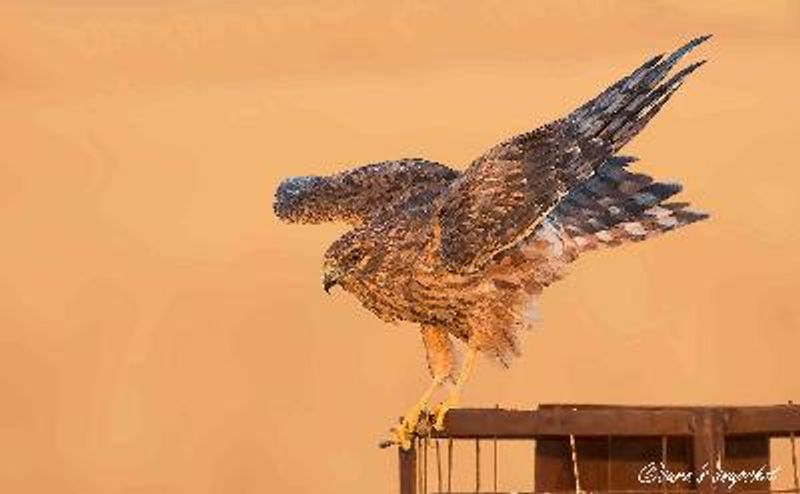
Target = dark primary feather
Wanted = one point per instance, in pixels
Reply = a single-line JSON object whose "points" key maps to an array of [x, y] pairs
{"points": [[508, 191], [358, 195]]}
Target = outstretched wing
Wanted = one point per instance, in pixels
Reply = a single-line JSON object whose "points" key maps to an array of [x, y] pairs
{"points": [[358, 195], [507, 192]]}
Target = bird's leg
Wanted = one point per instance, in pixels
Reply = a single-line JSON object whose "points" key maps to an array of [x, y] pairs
{"points": [[455, 392], [440, 355], [405, 431]]}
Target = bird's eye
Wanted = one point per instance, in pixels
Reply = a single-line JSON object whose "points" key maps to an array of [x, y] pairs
{"points": [[355, 255]]}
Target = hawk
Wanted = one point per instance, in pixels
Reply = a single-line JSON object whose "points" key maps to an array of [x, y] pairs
{"points": [[466, 254]]}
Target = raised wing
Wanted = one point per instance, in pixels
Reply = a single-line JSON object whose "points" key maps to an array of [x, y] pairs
{"points": [[355, 196], [507, 192]]}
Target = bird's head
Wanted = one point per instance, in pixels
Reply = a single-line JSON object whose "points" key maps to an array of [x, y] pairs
{"points": [[345, 257]]}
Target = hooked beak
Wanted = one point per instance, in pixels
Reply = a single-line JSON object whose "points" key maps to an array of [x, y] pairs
{"points": [[328, 282]]}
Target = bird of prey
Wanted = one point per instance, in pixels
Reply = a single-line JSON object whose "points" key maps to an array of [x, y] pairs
{"points": [[465, 254]]}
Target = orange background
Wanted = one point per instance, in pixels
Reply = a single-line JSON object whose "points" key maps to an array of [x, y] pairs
{"points": [[161, 332]]}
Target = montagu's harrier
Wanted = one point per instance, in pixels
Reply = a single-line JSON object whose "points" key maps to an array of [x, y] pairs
{"points": [[465, 254]]}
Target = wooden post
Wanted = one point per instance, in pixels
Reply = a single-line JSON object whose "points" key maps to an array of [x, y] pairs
{"points": [[709, 444], [408, 469]]}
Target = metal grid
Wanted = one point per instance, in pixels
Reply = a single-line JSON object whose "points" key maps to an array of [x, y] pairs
{"points": [[428, 467]]}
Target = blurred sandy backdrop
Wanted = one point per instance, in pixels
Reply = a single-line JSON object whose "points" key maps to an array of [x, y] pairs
{"points": [[161, 332]]}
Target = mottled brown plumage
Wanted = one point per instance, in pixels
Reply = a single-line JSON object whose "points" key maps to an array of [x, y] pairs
{"points": [[467, 254]]}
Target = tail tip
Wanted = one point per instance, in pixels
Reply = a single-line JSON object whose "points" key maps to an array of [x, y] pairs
{"points": [[693, 216]]}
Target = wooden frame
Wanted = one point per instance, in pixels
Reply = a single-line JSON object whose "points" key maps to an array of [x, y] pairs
{"points": [[707, 426]]}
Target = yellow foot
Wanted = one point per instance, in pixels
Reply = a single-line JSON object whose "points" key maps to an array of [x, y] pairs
{"points": [[402, 438], [404, 433], [439, 412]]}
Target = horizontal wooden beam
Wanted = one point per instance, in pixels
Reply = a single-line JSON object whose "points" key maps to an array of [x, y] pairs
{"points": [[779, 420], [771, 420], [637, 491], [529, 424], [601, 420]]}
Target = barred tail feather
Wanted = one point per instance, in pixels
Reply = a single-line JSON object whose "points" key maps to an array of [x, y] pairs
{"points": [[654, 221], [617, 206]]}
